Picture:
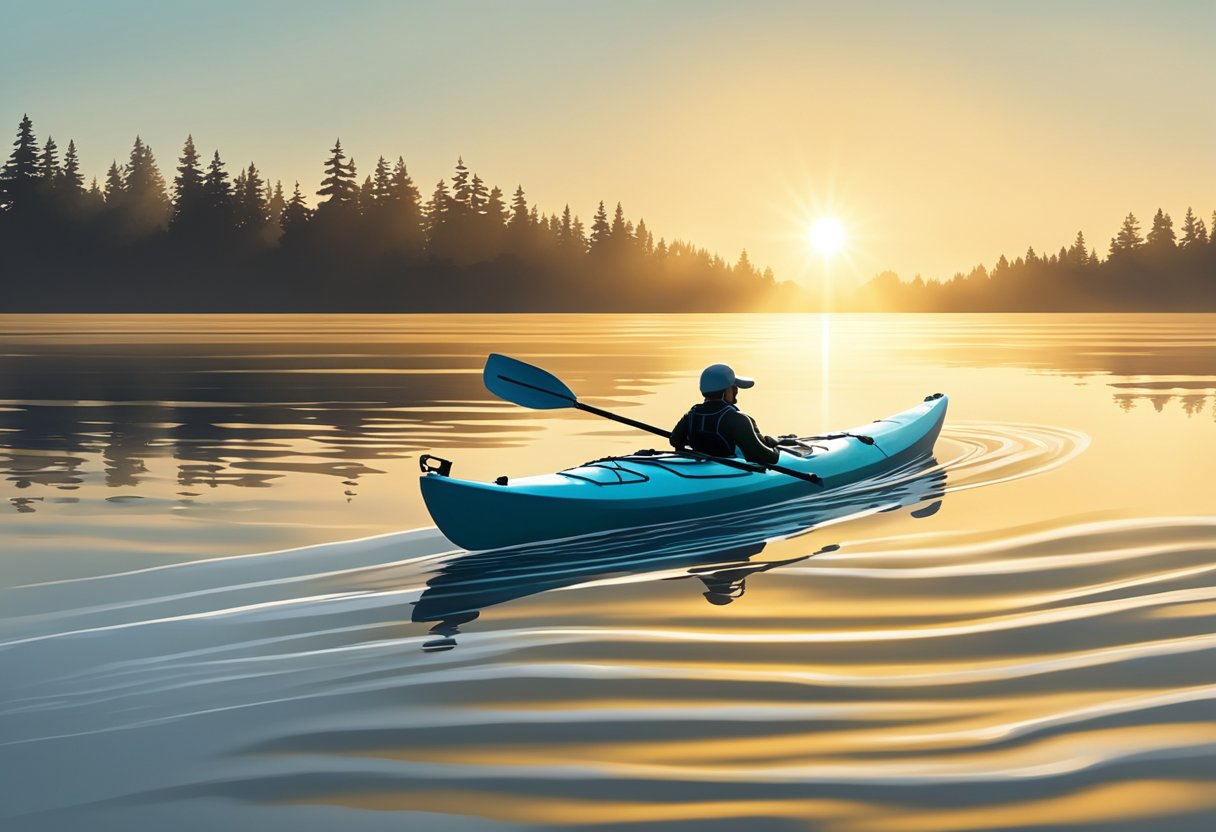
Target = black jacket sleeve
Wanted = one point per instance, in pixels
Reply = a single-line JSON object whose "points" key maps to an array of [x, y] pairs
{"points": [[741, 429], [679, 434]]}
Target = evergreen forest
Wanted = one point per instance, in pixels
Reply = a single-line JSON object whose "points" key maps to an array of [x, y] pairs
{"points": [[210, 240]]}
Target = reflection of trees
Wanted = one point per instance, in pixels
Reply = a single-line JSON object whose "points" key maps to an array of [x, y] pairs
{"points": [[1157, 360], [246, 414]]}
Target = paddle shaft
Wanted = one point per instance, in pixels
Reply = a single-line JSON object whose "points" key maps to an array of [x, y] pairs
{"points": [[666, 434], [729, 463]]}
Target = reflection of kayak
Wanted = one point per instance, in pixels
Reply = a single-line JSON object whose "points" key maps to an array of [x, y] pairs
{"points": [[659, 487]]}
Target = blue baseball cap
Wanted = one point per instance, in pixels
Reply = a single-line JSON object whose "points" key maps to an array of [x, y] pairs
{"points": [[717, 377]]}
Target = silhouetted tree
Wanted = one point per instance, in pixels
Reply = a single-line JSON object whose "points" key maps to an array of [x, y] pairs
{"points": [[1128, 239], [115, 186], [251, 214], [601, 231], [460, 187], [519, 210], [72, 181], [619, 233], [1191, 227], [644, 238], [48, 165], [218, 201], [19, 177], [1078, 254], [296, 214], [338, 186], [275, 204], [436, 212], [189, 197], [146, 204], [1161, 235]]}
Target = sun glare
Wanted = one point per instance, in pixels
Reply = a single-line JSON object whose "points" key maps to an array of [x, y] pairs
{"points": [[826, 236]]}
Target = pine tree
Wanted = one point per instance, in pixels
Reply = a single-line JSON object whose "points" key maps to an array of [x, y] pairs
{"points": [[367, 196], [1190, 229], [578, 235], [600, 230], [519, 210], [339, 182], [644, 238], [275, 203], [496, 207], [460, 186], [477, 195], [437, 211], [48, 164], [382, 186], [565, 233], [619, 232], [1161, 235], [402, 218], [217, 195], [72, 180], [402, 189], [296, 214], [1078, 254], [19, 176], [116, 188], [744, 267], [1128, 239], [188, 194], [147, 202], [250, 200]]}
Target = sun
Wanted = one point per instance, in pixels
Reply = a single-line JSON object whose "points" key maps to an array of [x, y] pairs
{"points": [[826, 236]]}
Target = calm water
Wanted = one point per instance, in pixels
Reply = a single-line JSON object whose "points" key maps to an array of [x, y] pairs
{"points": [[224, 605]]}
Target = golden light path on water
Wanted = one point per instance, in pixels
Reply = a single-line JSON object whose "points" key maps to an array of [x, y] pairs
{"points": [[1015, 634]]}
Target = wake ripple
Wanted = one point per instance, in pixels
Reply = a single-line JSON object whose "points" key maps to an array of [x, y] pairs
{"points": [[1033, 677]]}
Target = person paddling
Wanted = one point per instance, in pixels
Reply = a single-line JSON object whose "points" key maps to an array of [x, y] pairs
{"points": [[716, 426]]}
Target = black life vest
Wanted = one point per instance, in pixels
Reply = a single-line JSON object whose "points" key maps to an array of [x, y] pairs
{"points": [[705, 430]]}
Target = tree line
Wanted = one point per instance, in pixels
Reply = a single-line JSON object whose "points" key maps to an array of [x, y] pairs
{"points": [[208, 240], [1166, 269]]}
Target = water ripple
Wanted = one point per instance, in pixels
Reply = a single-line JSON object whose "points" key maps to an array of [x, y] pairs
{"points": [[857, 685]]}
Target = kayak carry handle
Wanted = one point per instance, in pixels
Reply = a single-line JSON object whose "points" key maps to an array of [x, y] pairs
{"points": [[443, 467]]}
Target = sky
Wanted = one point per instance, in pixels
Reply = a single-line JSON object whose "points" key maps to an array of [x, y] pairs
{"points": [[940, 134]]}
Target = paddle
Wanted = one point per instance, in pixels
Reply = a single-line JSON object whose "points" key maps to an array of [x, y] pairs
{"points": [[529, 386]]}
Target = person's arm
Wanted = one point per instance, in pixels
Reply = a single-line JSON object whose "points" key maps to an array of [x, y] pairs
{"points": [[764, 437], [679, 434], [741, 430]]}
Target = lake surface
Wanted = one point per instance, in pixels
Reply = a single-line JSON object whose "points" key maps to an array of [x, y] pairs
{"points": [[224, 605]]}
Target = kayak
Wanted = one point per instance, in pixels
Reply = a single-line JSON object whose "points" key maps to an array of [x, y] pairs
{"points": [[649, 487], [719, 556]]}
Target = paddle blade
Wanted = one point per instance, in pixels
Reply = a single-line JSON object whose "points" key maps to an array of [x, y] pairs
{"points": [[525, 385]]}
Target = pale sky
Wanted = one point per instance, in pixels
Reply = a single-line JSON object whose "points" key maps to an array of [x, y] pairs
{"points": [[941, 134]]}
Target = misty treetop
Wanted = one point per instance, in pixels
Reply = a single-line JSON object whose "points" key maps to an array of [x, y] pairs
{"points": [[214, 239], [1154, 271]]}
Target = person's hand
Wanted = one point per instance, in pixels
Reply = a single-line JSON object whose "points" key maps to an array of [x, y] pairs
{"points": [[788, 441], [770, 441]]}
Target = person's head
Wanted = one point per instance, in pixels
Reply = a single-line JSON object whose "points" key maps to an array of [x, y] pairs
{"points": [[718, 381]]}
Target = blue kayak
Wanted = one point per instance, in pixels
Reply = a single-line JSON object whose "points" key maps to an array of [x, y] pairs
{"points": [[649, 487]]}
